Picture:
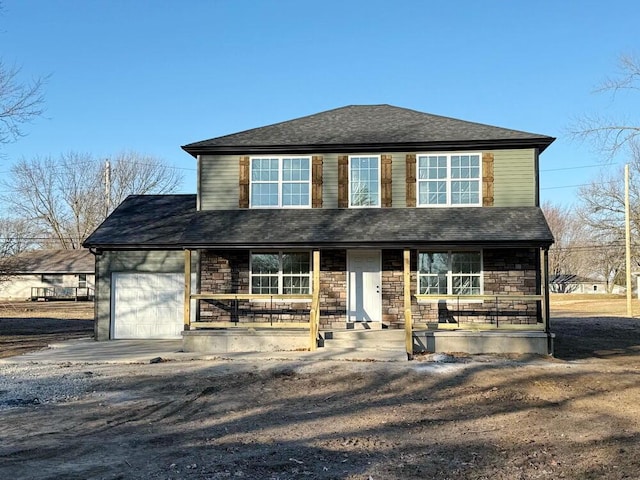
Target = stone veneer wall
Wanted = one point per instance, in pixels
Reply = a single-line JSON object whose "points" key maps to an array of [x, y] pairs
{"points": [[393, 287], [333, 288], [506, 271], [227, 271]]}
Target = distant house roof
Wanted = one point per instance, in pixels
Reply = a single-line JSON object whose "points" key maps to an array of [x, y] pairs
{"points": [[571, 278], [54, 261], [371, 128], [171, 221]]}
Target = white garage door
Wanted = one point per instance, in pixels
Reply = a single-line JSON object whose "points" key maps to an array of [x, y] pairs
{"points": [[147, 305]]}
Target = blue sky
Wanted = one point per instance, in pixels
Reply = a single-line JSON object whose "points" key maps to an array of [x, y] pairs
{"points": [[151, 76]]}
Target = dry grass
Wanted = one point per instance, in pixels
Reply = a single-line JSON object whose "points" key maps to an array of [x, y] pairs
{"points": [[59, 310], [592, 305]]}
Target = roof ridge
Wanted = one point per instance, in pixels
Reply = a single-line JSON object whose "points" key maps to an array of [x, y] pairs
{"points": [[366, 127]]}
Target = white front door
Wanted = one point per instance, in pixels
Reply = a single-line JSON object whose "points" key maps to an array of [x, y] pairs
{"points": [[365, 286]]}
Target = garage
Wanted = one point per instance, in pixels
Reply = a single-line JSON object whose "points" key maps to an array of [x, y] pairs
{"points": [[147, 305]]}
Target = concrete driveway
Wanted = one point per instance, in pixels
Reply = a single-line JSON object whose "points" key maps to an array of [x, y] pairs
{"points": [[143, 351]]}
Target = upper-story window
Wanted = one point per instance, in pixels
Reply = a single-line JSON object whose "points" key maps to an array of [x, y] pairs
{"points": [[449, 179], [280, 182], [364, 181]]}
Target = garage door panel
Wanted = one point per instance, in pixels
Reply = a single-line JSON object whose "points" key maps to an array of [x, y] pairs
{"points": [[147, 305]]}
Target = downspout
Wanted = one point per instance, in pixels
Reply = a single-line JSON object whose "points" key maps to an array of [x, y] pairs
{"points": [[536, 160], [198, 180]]}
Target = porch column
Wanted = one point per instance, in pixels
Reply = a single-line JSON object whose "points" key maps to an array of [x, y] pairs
{"points": [[544, 280], [315, 302], [408, 326], [187, 289]]}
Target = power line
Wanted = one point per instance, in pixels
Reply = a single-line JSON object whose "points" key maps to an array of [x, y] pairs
{"points": [[566, 186], [570, 168]]}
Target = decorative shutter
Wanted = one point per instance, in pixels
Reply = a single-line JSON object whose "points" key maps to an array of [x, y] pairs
{"points": [[343, 181], [385, 180], [243, 198], [487, 179], [411, 180], [316, 181]]}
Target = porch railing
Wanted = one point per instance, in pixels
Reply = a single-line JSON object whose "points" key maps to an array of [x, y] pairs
{"points": [[62, 293], [484, 312], [273, 312]]}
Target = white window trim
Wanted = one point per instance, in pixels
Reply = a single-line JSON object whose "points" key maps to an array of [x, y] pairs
{"points": [[450, 277], [280, 182], [378, 157], [281, 275], [448, 180]]}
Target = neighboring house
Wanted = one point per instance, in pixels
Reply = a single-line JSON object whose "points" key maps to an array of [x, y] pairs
{"points": [[48, 275], [373, 217], [567, 283]]}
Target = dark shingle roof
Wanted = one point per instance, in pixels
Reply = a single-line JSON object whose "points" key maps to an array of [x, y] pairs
{"points": [[172, 222], [150, 220], [368, 128], [52, 261]]}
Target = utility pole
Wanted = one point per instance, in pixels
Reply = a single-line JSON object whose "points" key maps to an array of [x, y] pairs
{"points": [[107, 187], [627, 239]]}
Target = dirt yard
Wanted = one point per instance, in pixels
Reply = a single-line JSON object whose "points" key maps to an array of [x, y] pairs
{"points": [[575, 417], [29, 326]]}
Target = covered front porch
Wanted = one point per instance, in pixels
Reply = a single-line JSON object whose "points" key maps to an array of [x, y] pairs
{"points": [[368, 290]]}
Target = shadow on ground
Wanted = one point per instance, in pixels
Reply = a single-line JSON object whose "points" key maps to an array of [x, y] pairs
{"points": [[580, 338]]}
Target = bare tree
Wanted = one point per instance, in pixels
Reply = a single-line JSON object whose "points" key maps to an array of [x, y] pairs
{"points": [[137, 174], [603, 213], [66, 198], [17, 236], [611, 134], [602, 201], [566, 255], [608, 260], [20, 102]]}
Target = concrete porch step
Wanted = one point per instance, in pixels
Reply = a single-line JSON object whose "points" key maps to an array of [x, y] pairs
{"points": [[364, 339], [353, 326]]}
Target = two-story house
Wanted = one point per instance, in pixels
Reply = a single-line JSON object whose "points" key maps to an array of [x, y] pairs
{"points": [[363, 217]]}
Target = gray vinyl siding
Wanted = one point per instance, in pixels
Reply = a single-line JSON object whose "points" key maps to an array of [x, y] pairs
{"points": [[514, 173], [219, 188], [330, 180], [514, 180], [399, 180], [151, 261]]}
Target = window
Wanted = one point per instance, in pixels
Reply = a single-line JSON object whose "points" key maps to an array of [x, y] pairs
{"points": [[82, 280], [364, 181], [280, 182], [450, 273], [280, 273], [52, 278], [449, 179]]}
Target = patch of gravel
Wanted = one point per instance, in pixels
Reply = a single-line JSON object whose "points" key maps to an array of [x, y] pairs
{"points": [[24, 385]]}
